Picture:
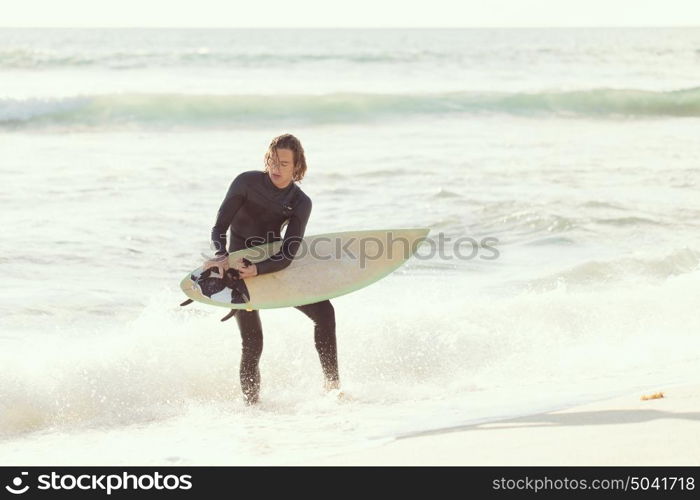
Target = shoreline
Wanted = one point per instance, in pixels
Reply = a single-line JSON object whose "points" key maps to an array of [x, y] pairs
{"points": [[623, 430]]}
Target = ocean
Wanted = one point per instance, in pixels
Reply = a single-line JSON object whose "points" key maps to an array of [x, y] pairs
{"points": [[574, 151]]}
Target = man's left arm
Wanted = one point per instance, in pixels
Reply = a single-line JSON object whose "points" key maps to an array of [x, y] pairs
{"points": [[290, 243]]}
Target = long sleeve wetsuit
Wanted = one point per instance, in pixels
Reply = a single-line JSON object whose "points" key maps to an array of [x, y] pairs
{"points": [[255, 210]]}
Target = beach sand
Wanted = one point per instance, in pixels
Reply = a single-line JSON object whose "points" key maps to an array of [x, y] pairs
{"points": [[620, 431]]}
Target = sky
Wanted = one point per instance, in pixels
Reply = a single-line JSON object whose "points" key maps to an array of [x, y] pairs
{"points": [[347, 13]]}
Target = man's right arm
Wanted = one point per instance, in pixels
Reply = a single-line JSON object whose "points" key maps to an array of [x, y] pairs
{"points": [[235, 197]]}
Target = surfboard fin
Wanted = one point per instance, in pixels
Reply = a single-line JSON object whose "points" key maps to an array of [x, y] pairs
{"points": [[187, 302], [228, 316]]}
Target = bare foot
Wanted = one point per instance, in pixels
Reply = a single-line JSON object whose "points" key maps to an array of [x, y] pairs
{"points": [[332, 385]]}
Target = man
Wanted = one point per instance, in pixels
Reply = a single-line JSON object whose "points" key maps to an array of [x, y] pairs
{"points": [[257, 206]]}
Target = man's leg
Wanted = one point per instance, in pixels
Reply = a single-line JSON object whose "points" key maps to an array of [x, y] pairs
{"points": [[323, 316], [252, 339]]}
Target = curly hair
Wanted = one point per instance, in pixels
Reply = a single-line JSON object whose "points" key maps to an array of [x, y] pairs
{"points": [[287, 141]]}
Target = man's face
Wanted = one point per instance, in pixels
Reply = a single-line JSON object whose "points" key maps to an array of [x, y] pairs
{"points": [[281, 169]]}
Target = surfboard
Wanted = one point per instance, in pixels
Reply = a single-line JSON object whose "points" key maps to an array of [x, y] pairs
{"points": [[325, 266]]}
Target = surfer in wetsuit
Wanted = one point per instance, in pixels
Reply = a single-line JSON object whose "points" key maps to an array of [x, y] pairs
{"points": [[256, 207]]}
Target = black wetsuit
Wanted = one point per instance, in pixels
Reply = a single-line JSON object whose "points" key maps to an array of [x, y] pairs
{"points": [[256, 210]]}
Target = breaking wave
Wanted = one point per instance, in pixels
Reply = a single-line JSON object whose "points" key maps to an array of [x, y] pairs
{"points": [[214, 110]]}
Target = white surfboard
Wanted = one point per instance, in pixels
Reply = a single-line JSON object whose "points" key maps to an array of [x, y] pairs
{"points": [[326, 266]]}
